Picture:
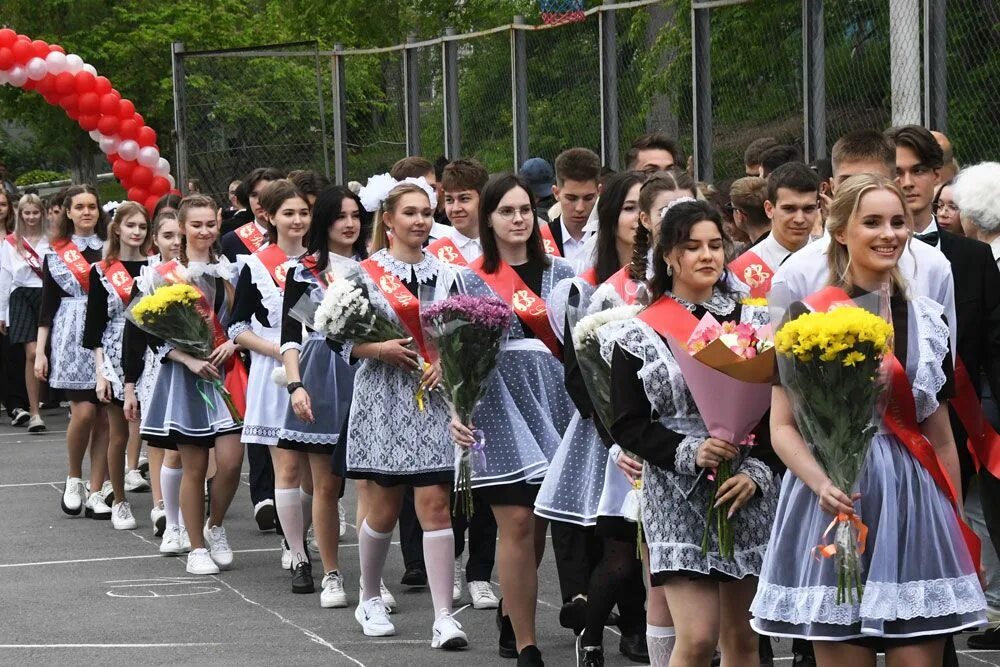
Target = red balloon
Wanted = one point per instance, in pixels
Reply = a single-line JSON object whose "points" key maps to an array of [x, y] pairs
{"points": [[85, 82], [73, 113], [112, 158], [160, 186], [88, 121], [126, 109], [139, 118], [51, 97], [142, 176], [7, 37], [147, 136], [6, 58], [102, 85], [29, 85], [122, 169], [69, 102], [128, 129], [40, 47], [65, 83], [138, 194], [109, 104], [151, 203], [45, 85], [89, 103], [56, 47], [22, 51], [108, 125]]}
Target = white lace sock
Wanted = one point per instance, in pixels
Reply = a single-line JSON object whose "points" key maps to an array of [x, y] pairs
{"points": [[373, 547], [307, 509], [660, 643], [289, 509], [439, 559], [170, 486]]}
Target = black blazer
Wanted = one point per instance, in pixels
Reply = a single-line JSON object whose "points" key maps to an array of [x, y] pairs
{"points": [[232, 246], [556, 226]]}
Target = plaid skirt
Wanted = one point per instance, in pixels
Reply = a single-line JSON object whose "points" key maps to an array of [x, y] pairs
{"points": [[24, 306]]}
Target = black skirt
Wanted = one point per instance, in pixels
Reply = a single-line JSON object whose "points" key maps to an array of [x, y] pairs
{"points": [[519, 494], [25, 303], [412, 479]]}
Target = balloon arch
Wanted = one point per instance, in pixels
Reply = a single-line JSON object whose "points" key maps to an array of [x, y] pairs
{"points": [[112, 121]]}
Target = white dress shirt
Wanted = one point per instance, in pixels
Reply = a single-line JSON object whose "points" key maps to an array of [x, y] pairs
{"points": [[471, 249], [15, 272], [574, 251], [995, 247], [772, 252], [932, 227]]}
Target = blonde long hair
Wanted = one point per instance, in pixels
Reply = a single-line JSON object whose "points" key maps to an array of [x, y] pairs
{"points": [[28, 200], [380, 236], [113, 248], [844, 209]]}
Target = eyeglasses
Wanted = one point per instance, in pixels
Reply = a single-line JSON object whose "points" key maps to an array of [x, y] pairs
{"points": [[944, 206], [507, 213]]}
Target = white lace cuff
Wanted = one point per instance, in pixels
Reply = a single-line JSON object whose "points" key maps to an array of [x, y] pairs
{"points": [[290, 346], [685, 456], [614, 452], [345, 351], [761, 475], [161, 352], [236, 328]]}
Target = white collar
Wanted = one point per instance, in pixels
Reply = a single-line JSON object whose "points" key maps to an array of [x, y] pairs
{"points": [[461, 240], [568, 238], [424, 271], [93, 242], [720, 303], [932, 226]]}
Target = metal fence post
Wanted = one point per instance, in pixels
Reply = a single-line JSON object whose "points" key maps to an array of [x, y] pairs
{"points": [[936, 64], [339, 114], [180, 114], [449, 66], [904, 61], [609, 86], [411, 97], [701, 86], [322, 115], [814, 79], [519, 92]]}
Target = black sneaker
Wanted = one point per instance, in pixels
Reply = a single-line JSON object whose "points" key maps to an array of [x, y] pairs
{"points": [[634, 647], [530, 656], [414, 576], [988, 641], [766, 652], [508, 643], [264, 515], [302, 578], [573, 615], [589, 656], [19, 417]]}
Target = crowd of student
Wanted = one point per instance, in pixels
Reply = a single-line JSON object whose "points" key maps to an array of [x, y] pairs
{"points": [[890, 208]]}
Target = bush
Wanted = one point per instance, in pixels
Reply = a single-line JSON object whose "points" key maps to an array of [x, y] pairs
{"points": [[39, 176]]}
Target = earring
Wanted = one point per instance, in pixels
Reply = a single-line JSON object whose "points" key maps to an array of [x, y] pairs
{"points": [[670, 270]]}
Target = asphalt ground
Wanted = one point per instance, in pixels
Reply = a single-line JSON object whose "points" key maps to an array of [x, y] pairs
{"points": [[74, 590]]}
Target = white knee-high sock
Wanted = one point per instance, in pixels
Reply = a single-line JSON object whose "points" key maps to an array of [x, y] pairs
{"points": [[289, 508], [170, 486], [439, 559], [307, 509], [660, 644], [373, 547]]}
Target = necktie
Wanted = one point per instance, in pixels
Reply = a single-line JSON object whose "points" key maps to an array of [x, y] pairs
{"points": [[930, 238]]}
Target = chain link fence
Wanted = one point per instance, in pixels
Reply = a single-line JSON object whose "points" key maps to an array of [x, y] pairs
{"points": [[715, 74]]}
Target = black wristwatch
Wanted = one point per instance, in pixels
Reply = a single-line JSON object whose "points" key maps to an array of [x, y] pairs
{"points": [[292, 386]]}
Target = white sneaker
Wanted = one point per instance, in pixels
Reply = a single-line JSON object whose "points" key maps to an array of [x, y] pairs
{"points": [[108, 493], [158, 517], [286, 555], [387, 597], [134, 481], [447, 633], [218, 546], [185, 540], [36, 424], [333, 594], [20, 417], [482, 595], [343, 518], [200, 562], [456, 591], [311, 543], [171, 544], [372, 617], [121, 516], [96, 508], [74, 496]]}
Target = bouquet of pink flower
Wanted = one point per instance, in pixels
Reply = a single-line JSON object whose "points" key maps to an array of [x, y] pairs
{"points": [[466, 334], [728, 369]]}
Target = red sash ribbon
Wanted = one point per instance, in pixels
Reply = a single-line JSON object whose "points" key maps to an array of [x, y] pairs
{"points": [[527, 305], [311, 262], [901, 418], [119, 277], [446, 251], [273, 258], [251, 236], [754, 272], [984, 442], [404, 304], [549, 241], [28, 254], [78, 265], [669, 318], [589, 276], [627, 288]]}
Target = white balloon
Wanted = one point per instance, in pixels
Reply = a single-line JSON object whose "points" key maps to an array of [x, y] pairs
{"points": [[95, 135], [149, 157], [129, 150], [74, 63], [162, 167], [56, 62], [109, 145], [17, 76], [36, 69], [170, 179], [90, 68]]}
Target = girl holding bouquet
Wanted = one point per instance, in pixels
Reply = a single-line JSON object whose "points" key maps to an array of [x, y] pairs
{"points": [[391, 441], [77, 244], [919, 581], [256, 326], [320, 381], [655, 416], [189, 414], [526, 409], [111, 282]]}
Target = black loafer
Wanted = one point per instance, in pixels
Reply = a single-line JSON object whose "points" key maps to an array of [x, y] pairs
{"points": [[573, 615], [634, 647], [508, 643], [987, 641], [530, 656], [414, 576]]}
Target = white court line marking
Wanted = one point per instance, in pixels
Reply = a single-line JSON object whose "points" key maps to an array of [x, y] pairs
{"points": [[8, 486], [107, 645]]}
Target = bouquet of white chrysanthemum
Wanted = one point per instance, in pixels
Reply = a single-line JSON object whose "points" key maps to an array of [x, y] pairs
{"points": [[595, 370], [346, 315]]}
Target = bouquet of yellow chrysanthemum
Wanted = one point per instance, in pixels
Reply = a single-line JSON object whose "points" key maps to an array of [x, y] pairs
{"points": [[830, 363]]}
